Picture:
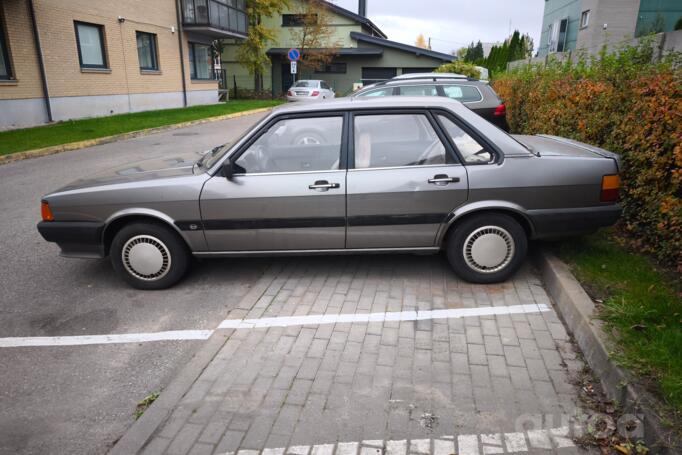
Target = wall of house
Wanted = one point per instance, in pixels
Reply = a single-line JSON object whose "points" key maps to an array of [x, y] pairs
{"points": [[77, 92], [658, 16], [556, 10], [620, 17]]}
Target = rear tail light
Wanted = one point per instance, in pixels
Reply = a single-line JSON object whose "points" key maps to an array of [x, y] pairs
{"points": [[290, 93], [500, 111], [315, 93], [45, 211], [610, 188]]}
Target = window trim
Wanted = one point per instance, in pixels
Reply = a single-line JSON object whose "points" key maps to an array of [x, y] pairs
{"points": [[193, 61], [154, 51], [4, 47], [102, 45], [471, 131], [585, 14], [449, 150]]}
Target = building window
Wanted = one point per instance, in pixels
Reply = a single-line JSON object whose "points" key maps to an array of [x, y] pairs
{"points": [[90, 39], [200, 61], [146, 51], [295, 20], [5, 68], [585, 19], [334, 68]]}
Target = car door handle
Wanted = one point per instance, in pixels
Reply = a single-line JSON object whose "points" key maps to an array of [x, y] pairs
{"points": [[443, 179], [323, 185]]}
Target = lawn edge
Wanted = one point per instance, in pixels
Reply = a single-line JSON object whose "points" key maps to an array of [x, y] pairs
{"points": [[578, 312], [143, 430], [53, 149]]}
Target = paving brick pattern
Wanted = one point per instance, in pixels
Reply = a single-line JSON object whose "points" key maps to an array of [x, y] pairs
{"points": [[381, 382]]}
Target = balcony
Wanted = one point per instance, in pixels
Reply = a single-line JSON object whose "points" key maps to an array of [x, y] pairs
{"points": [[215, 18]]}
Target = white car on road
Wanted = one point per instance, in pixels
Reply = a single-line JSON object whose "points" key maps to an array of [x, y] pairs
{"points": [[310, 90]]}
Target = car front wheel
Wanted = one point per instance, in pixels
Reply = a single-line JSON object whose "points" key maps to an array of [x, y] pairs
{"points": [[149, 256], [487, 248]]}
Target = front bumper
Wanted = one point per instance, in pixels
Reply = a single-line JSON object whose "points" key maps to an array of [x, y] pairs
{"points": [[76, 238], [557, 223]]}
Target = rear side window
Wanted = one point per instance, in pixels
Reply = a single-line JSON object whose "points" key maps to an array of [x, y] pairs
{"points": [[472, 152], [418, 90], [463, 93], [396, 140]]}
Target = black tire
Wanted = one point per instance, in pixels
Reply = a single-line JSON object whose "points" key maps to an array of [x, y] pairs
{"points": [[503, 229], [172, 250]]}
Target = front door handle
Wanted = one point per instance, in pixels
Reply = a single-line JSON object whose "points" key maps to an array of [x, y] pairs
{"points": [[442, 179], [323, 185]]}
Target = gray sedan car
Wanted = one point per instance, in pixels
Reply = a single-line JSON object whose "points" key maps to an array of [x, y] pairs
{"points": [[394, 174]]}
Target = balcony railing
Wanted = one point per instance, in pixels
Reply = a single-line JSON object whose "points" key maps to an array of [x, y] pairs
{"points": [[218, 18]]}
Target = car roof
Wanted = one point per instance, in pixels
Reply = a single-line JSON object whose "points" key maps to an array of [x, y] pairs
{"points": [[372, 103], [429, 76]]}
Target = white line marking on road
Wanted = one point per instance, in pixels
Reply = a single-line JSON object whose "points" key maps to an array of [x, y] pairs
{"points": [[468, 444], [516, 442], [319, 319], [173, 335]]}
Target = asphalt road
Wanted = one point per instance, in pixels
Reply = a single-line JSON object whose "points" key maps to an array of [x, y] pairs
{"points": [[80, 399]]}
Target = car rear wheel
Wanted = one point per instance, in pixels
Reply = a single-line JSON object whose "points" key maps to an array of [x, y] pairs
{"points": [[149, 256], [487, 248]]}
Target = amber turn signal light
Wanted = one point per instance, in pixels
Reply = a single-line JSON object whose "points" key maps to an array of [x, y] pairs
{"points": [[45, 211], [610, 188]]}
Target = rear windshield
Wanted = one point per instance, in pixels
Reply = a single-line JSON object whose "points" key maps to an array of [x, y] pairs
{"points": [[463, 93], [310, 84]]}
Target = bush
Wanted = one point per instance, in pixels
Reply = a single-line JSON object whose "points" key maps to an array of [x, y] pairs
{"points": [[468, 69], [624, 103]]}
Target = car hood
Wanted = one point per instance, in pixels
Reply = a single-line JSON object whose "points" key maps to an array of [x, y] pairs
{"points": [[547, 145], [176, 165]]}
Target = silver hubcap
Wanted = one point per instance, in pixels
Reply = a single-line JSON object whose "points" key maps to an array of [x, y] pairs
{"points": [[146, 257], [488, 249]]}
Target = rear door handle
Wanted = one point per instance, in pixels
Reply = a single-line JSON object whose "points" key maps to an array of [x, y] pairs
{"points": [[323, 185], [442, 179]]}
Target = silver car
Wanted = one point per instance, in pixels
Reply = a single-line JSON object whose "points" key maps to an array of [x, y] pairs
{"points": [[310, 90], [394, 174]]}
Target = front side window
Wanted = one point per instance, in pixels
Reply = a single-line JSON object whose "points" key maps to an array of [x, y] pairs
{"points": [[396, 140], [146, 51], [419, 90], [463, 93], [200, 61], [382, 92], [295, 145], [90, 39], [5, 70], [472, 152]]}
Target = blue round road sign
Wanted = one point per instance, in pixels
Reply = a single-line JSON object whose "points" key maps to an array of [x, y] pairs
{"points": [[294, 54]]}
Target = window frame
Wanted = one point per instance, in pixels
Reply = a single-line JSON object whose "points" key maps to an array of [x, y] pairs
{"points": [[441, 91], [328, 66], [193, 62], [450, 152], [102, 45], [585, 15], [231, 158], [154, 52], [4, 47], [471, 131]]}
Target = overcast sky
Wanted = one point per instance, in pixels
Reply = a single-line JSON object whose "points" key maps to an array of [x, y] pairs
{"points": [[452, 24]]}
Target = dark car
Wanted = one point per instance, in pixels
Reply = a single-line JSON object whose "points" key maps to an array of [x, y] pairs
{"points": [[477, 95]]}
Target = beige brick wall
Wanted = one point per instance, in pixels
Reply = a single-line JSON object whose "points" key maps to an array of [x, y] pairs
{"points": [[65, 78]]}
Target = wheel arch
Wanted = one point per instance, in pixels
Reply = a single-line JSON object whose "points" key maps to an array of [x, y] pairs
{"points": [[484, 207], [120, 219]]}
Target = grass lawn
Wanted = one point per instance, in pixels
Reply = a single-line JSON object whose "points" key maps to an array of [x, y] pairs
{"points": [[78, 130], [642, 307]]}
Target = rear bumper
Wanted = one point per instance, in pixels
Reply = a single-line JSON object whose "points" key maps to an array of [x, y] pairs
{"points": [[75, 238], [556, 223]]}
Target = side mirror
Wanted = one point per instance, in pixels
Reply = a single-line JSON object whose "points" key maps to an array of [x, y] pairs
{"points": [[228, 170]]}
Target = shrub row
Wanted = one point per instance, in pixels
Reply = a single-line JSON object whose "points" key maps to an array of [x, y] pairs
{"points": [[622, 102]]}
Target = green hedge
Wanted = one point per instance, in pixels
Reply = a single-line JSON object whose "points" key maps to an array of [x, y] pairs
{"points": [[624, 103]]}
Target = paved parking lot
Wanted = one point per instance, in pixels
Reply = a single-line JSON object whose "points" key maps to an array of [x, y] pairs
{"points": [[464, 380]]}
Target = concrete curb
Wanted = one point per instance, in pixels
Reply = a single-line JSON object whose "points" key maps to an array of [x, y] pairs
{"points": [[143, 429], [4, 159], [578, 312]]}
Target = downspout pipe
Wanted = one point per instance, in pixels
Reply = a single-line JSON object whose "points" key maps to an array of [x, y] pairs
{"points": [[182, 53], [41, 62]]}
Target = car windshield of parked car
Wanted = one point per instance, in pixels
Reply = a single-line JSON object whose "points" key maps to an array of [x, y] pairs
{"points": [[396, 140], [295, 145], [472, 152], [463, 93], [308, 84]]}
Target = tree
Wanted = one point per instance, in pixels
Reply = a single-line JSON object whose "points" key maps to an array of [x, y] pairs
{"points": [[460, 53], [421, 42], [313, 36], [252, 52]]}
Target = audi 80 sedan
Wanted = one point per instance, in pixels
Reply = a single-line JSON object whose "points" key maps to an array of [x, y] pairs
{"points": [[394, 174]]}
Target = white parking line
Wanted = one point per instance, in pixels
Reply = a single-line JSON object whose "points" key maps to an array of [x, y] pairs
{"points": [[284, 321]]}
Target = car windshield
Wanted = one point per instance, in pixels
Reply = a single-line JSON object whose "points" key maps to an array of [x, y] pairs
{"points": [[214, 155], [309, 84]]}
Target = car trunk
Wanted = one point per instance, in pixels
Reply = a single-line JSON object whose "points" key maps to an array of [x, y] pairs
{"points": [[547, 145]]}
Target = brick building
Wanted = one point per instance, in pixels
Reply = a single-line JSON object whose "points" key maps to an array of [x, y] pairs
{"points": [[65, 59]]}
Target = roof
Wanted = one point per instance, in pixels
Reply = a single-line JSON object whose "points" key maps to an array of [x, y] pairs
{"points": [[344, 51], [356, 17], [403, 47]]}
